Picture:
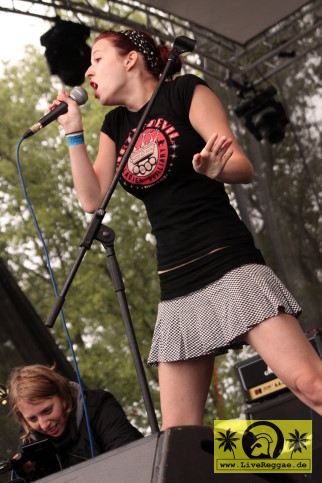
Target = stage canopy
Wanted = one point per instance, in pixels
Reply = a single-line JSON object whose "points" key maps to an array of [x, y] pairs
{"points": [[236, 20]]}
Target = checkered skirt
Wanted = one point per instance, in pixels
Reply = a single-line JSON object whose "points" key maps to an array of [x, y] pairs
{"points": [[214, 318]]}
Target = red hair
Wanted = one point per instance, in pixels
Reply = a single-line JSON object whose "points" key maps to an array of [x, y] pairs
{"points": [[125, 45]]}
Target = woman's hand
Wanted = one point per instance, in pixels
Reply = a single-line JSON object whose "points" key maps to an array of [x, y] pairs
{"points": [[213, 157], [26, 466], [222, 158], [72, 120]]}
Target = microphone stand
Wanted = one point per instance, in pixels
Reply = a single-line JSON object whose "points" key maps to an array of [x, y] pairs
{"points": [[106, 236]]}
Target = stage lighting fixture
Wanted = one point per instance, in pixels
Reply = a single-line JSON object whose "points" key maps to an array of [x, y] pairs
{"points": [[264, 117], [67, 53]]}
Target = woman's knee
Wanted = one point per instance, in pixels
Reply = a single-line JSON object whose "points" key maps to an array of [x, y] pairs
{"points": [[309, 385]]}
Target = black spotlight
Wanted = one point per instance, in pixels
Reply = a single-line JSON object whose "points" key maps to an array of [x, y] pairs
{"points": [[264, 117], [67, 53]]}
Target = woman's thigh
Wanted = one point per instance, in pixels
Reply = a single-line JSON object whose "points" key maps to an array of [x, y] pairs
{"points": [[280, 341], [184, 387]]}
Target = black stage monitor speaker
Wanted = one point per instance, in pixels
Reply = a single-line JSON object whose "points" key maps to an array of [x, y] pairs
{"points": [[287, 406], [183, 454]]}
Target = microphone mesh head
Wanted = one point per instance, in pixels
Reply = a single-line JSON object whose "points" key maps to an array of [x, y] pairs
{"points": [[79, 95]]}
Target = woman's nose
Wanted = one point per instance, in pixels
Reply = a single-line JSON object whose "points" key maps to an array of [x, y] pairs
{"points": [[44, 423], [88, 73]]}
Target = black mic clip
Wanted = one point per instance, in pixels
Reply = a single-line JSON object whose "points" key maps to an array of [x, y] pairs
{"points": [[181, 45]]}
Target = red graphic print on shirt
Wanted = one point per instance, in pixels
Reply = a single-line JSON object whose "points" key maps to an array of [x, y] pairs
{"points": [[152, 156]]}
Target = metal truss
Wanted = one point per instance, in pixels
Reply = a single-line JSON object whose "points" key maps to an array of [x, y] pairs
{"points": [[216, 57]]}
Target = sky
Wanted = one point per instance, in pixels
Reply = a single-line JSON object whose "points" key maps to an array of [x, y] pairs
{"points": [[16, 31]]}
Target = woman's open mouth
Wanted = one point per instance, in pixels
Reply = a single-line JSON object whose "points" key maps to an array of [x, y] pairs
{"points": [[94, 86], [53, 431]]}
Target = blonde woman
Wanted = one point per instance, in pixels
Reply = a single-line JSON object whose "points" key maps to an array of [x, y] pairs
{"points": [[48, 406]]}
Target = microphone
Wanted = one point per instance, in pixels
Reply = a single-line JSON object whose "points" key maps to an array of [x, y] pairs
{"points": [[78, 94]]}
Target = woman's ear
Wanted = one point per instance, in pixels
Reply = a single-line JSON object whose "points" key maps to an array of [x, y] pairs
{"points": [[65, 406], [131, 59]]}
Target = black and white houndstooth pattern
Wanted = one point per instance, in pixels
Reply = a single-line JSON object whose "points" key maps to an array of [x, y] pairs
{"points": [[209, 320]]}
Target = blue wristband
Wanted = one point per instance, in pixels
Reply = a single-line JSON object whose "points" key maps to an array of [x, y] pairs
{"points": [[74, 139]]}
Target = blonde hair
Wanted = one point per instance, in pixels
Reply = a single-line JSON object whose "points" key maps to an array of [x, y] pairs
{"points": [[30, 383]]}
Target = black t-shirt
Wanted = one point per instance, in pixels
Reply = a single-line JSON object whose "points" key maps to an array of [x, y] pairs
{"points": [[190, 214]]}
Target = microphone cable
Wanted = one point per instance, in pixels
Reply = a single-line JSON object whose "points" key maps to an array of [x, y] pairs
{"points": [[55, 290]]}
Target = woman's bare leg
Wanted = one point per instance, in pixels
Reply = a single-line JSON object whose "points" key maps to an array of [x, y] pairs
{"points": [[184, 388], [282, 344]]}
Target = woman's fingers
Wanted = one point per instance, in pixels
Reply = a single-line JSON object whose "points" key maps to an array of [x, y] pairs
{"points": [[225, 157], [197, 161], [213, 157], [29, 466], [222, 145], [209, 146], [225, 146], [216, 145], [62, 96], [71, 121], [54, 104], [228, 154]]}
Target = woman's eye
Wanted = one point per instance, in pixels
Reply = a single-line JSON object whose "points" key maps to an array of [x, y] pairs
{"points": [[97, 59], [47, 411]]}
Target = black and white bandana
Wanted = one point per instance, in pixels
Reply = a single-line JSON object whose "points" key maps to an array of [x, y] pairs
{"points": [[138, 39]]}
